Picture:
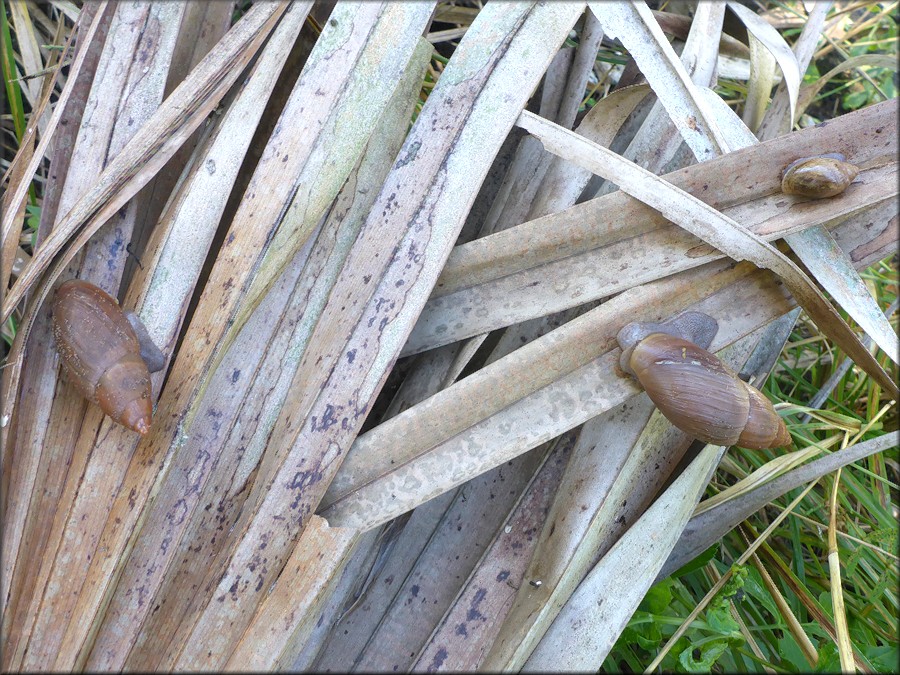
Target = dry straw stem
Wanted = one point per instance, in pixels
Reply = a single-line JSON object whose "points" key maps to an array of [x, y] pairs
{"points": [[710, 525], [809, 92], [759, 86], [811, 604], [794, 625], [844, 645], [28, 50], [768, 471], [9, 259]]}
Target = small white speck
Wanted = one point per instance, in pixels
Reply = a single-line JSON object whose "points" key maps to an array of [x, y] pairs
{"points": [[4, 421], [507, 529]]}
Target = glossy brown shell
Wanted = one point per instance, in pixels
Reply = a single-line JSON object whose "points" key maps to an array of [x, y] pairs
{"points": [[703, 397], [818, 177], [101, 354]]}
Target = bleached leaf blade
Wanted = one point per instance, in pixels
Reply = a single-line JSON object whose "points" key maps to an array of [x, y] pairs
{"points": [[558, 261], [251, 385], [778, 118], [585, 630], [138, 162], [616, 450], [463, 636], [564, 181], [633, 24], [833, 269], [609, 447], [400, 625], [562, 261], [286, 617], [773, 41], [759, 85], [710, 525], [554, 383]]}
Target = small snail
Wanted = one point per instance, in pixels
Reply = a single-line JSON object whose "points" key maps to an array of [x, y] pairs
{"points": [[818, 177], [694, 390], [103, 354]]}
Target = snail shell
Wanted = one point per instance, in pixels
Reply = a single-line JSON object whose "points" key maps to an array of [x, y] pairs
{"points": [[698, 393], [818, 177], [101, 353]]}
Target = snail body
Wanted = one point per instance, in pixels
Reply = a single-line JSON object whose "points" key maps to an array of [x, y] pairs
{"points": [[101, 353], [696, 391], [818, 177]]}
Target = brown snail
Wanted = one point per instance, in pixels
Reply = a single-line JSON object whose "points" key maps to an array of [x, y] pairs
{"points": [[103, 354], [693, 389], [818, 177]]}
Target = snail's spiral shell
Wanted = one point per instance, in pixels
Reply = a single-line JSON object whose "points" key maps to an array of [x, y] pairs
{"points": [[702, 396], [818, 177]]}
